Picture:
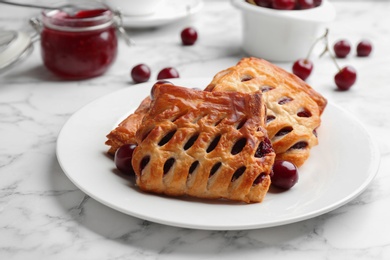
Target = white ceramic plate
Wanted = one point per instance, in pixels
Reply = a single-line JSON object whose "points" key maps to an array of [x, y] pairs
{"points": [[171, 11], [335, 173]]}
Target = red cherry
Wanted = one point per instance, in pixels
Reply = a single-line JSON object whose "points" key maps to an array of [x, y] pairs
{"points": [[317, 3], [140, 73], [283, 4], [264, 3], [302, 68], [364, 48], [189, 36], [168, 73], [123, 157], [160, 82], [305, 4], [285, 174], [342, 48], [345, 78]]}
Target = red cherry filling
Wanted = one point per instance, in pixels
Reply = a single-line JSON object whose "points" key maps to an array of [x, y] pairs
{"points": [[285, 174], [264, 148], [123, 157]]}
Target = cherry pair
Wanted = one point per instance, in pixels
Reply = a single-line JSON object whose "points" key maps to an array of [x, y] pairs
{"points": [[141, 73], [343, 47]]}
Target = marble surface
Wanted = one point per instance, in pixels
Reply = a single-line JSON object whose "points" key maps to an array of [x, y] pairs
{"points": [[44, 216]]}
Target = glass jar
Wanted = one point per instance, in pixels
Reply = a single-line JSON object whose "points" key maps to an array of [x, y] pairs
{"points": [[79, 42]]}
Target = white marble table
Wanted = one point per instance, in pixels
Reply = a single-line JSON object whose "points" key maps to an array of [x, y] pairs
{"points": [[44, 216]]}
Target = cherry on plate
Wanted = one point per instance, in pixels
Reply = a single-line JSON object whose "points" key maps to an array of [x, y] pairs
{"points": [[168, 73], [140, 73], [123, 157], [189, 36], [285, 174]]}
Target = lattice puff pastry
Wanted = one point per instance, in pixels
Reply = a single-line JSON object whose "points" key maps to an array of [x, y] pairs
{"points": [[204, 144], [293, 107], [124, 133]]}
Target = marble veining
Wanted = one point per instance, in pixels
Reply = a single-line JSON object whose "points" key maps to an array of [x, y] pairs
{"points": [[43, 215]]}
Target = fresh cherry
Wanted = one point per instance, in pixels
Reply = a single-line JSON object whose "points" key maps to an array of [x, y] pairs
{"points": [[345, 78], [342, 48], [305, 4], [317, 3], [285, 174], [364, 48], [264, 3], [283, 4], [140, 73], [168, 73], [123, 157], [302, 68], [160, 82], [189, 36]]}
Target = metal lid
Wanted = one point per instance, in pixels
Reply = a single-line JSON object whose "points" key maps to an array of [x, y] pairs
{"points": [[14, 47]]}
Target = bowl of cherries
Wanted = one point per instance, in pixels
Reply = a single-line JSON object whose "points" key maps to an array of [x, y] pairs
{"points": [[282, 30]]}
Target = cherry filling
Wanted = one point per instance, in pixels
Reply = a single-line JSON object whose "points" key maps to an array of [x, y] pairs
{"points": [[240, 171], [264, 148], [259, 179], [246, 78], [168, 165], [284, 100], [284, 131], [191, 142], [266, 88], [299, 145], [144, 162], [213, 144], [238, 146], [215, 168], [167, 137], [270, 118], [193, 167], [304, 113], [241, 124]]}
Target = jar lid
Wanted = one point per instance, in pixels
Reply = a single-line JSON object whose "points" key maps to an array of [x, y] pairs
{"points": [[14, 47]]}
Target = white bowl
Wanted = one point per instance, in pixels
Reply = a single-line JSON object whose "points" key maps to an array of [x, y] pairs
{"points": [[135, 7], [281, 35]]}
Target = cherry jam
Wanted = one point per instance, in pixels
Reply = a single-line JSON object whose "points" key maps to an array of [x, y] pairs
{"points": [[79, 44]]}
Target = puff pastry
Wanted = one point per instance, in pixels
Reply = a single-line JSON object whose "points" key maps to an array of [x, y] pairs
{"points": [[204, 144], [293, 107]]}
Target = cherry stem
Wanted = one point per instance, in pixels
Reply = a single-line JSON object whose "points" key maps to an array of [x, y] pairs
{"points": [[328, 50], [324, 36]]}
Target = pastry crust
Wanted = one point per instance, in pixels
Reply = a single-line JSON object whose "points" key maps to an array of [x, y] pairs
{"points": [[293, 107], [124, 133], [204, 144]]}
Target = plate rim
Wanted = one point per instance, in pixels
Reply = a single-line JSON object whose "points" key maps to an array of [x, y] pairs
{"points": [[371, 173]]}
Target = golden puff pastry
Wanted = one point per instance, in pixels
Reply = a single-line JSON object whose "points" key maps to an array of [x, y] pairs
{"points": [[124, 133], [293, 107], [204, 144]]}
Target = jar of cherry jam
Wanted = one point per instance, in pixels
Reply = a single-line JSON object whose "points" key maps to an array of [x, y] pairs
{"points": [[80, 41]]}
